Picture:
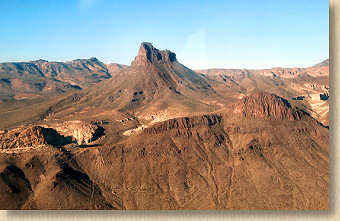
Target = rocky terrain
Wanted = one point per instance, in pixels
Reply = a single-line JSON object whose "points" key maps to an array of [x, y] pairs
{"points": [[157, 135], [28, 80], [307, 87], [31, 136]]}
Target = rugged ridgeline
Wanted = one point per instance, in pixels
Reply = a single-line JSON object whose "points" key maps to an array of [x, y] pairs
{"points": [[154, 81], [317, 70], [155, 84], [308, 87], [27, 80], [252, 155], [156, 87], [157, 135]]}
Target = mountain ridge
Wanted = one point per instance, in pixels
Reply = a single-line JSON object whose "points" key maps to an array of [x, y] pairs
{"points": [[25, 80], [158, 135]]}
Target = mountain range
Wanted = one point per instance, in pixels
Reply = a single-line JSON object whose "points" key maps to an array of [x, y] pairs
{"points": [[157, 135]]}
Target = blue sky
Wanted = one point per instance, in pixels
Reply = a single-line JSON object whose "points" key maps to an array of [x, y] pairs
{"points": [[203, 34]]}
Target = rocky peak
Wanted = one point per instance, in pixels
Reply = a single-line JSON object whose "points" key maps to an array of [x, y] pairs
{"points": [[148, 54], [268, 106]]}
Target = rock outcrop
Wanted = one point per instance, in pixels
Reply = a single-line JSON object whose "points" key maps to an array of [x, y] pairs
{"points": [[68, 132], [149, 55], [82, 132], [31, 136]]}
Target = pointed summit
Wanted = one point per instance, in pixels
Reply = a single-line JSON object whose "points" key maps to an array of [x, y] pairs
{"points": [[148, 54]]}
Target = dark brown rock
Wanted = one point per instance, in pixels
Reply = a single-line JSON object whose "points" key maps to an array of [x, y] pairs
{"points": [[268, 106]]}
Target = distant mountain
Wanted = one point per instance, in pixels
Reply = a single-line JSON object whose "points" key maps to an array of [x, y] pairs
{"points": [[157, 87], [155, 80], [21, 80], [323, 63], [276, 71], [307, 87], [114, 67]]}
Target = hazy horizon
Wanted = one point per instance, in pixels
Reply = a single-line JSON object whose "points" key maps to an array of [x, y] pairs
{"points": [[243, 34], [128, 64]]}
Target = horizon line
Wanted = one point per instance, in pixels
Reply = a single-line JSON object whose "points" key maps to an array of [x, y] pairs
{"points": [[94, 57]]}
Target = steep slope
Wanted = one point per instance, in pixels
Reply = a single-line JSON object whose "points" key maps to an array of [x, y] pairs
{"points": [[15, 189], [157, 77]]}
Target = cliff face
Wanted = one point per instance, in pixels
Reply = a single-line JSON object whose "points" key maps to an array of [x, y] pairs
{"points": [[147, 54], [80, 132]]}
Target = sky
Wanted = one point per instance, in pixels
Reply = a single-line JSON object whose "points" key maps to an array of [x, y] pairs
{"points": [[203, 34]]}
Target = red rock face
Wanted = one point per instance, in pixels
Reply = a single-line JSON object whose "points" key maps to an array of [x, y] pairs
{"points": [[268, 106]]}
